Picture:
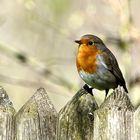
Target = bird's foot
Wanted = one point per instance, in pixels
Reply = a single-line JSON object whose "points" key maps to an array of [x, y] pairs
{"points": [[88, 89], [106, 93]]}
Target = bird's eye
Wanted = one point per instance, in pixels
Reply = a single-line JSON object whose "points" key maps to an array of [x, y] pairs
{"points": [[90, 43]]}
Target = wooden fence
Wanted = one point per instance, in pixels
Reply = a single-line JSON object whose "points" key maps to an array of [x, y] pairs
{"points": [[79, 119]]}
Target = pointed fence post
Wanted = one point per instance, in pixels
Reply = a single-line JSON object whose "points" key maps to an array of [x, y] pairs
{"points": [[137, 124], [114, 118], [76, 119], [79, 119], [7, 113], [36, 120]]}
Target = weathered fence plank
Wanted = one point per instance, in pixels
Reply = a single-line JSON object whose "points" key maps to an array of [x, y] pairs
{"points": [[37, 119], [79, 119], [76, 118], [137, 124], [6, 117], [114, 118]]}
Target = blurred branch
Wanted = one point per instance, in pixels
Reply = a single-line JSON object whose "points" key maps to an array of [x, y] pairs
{"points": [[128, 32], [134, 81], [38, 67], [118, 41], [22, 58], [20, 82], [30, 84]]}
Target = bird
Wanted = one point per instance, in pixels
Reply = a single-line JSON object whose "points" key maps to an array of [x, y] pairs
{"points": [[97, 65]]}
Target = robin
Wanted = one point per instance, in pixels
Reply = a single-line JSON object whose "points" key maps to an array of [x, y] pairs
{"points": [[97, 65]]}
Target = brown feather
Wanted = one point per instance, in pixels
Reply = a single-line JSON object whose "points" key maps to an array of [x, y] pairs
{"points": [[113, 67]]}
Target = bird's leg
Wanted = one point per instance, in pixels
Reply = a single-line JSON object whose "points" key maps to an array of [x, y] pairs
{"points": [[88, 89], [106, 92]]}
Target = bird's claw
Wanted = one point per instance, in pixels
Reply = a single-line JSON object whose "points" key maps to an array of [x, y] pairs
{"points": [[88, 89]]}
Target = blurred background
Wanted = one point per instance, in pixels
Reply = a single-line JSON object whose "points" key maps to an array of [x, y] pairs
{"points": [[37, 46]]}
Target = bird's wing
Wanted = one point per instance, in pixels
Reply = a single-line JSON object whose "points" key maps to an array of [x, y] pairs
{"points": [[111, 64]]}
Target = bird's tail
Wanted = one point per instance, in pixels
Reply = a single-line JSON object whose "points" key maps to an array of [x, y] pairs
{"points": [[125, 88]]}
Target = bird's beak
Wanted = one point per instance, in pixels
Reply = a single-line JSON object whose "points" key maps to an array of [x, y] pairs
{"points": [[78, 41]]}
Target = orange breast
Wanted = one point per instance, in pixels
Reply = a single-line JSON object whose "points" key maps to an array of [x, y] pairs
{"points": [[86, 58]]}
